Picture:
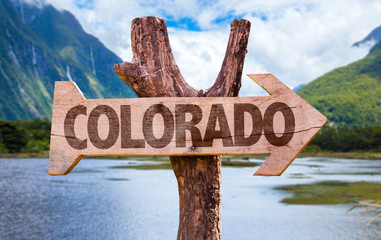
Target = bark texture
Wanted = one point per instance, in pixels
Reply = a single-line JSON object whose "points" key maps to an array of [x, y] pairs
{"points": [[153, 73]]}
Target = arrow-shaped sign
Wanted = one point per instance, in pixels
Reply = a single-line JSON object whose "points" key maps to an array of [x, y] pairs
{"points": [[281, 125]]}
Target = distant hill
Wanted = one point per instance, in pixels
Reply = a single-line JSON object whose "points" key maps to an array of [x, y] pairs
{"points": [[376, 47], [350, 95], [40, 45], [375, 36], [297, 88]]}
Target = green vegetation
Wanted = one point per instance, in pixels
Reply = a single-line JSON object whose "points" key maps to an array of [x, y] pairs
{"points": [[13, 138], [162, 166], [331, 192], [347, 155], [346, 139], [237, 163], [165, 165], [336, 192], [45, 46], [24, 136], [33, 136], [349, 96]]}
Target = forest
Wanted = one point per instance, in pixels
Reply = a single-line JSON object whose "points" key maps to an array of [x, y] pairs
{"points": [[33, 136], [354, 139], [24, 136]]}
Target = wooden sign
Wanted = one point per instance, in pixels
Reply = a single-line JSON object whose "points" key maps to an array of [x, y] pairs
{"points": [[281, 125]]}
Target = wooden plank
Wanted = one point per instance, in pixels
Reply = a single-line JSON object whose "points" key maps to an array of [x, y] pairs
{"points": [[281, 124]]}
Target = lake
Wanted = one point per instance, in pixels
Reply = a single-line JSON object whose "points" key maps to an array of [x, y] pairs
{"points": [[100, 201]]}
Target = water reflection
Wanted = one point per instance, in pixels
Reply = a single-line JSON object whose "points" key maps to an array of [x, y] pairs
{"points": [[101, 200]]}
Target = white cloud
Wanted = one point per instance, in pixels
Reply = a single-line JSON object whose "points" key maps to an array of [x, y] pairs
{"points": [[199, 54], [296, 40]]}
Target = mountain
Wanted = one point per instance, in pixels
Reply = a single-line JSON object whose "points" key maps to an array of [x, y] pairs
{"points": [[350, 95], [297, 88], [374, 36], [40, 45], [376, 47]]}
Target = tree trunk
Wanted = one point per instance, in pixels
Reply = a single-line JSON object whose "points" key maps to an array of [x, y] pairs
{"points": [[153, 73]]}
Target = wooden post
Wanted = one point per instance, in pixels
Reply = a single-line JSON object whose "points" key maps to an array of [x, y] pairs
{"points": [[153, 73]]}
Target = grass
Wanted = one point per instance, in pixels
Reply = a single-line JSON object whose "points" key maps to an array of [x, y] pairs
{"points": [[347, 155], [331, 192], [25, 155], [164, 166], [239, 163]]}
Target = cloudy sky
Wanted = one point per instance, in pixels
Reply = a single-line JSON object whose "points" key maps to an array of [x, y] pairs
{"points": [[295, 40]]}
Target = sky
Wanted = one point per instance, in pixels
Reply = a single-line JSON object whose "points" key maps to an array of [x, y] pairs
{"points": [[295, 40]]}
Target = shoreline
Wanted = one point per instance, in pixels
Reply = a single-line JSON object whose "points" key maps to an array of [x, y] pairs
{"points": [[345, 155]]}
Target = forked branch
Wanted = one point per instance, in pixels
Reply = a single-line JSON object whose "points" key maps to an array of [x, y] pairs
{"points": [[153, 71]]}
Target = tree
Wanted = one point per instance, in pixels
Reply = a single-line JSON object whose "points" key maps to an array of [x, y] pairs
{"points": [[153, 73], [13, 137]]}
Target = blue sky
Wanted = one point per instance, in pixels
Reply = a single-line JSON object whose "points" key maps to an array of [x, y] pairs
{"points": [[295, 40], [183, 23]]}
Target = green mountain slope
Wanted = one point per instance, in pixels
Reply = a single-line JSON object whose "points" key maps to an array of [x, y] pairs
{"points": [[41, 45], [350, 95]]}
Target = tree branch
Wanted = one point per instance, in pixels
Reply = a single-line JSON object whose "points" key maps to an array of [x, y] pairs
{"points": [[153, 73], [228, 81]]}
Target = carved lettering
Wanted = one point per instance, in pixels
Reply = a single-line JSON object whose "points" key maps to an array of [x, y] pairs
{"points": [[182, 125], [217, 113], [239, 124], [148, 126], [71, 139], [268, 124], [92, 127], [217, 126], [125, 120]]}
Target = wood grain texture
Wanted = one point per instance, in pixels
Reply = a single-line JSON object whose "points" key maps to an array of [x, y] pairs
{"points": [[308, 122], [281, 124], [152, 73], [123, 127]]}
